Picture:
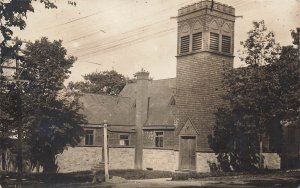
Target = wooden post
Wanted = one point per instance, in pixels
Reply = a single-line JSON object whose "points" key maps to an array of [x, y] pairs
{"points": [[105, 152]]}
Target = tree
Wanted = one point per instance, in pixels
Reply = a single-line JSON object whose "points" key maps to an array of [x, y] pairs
{"points": [[259, 97], [49, 113], [260, 47], [5, 133], [13, 13], [106, 82], [288, 71]]}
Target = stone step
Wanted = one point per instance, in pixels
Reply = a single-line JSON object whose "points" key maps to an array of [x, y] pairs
{"points": [[98, 167]]}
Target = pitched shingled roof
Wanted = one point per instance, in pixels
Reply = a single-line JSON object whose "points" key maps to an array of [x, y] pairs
{"points": [[116, 110], [120, 110]]}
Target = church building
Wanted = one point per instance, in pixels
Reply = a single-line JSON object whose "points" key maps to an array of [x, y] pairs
{"points": [[165, 124]]}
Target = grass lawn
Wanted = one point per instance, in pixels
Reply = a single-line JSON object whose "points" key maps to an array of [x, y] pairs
{"points": [[84, 179], [74, 178]]}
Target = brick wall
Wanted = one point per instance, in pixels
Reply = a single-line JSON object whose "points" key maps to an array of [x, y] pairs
{"points": [[199, 86], [200, 72], [166, 160]]}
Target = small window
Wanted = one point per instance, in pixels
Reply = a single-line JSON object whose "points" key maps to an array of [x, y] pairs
{"points": [[214, 41], [185, 44], [226, 43], [89, 137], [124, 139], [197, 41], [159, 139]]}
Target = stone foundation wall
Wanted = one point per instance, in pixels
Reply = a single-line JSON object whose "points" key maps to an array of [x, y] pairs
{"points": [[272, 160], [85, 158], [79, 159], [158, 159], [202, 161], [121, 158]]}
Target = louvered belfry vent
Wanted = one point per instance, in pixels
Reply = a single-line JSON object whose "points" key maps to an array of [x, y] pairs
{"points": [[214, 41], [197, 41], [185, 44], [226, 43]]}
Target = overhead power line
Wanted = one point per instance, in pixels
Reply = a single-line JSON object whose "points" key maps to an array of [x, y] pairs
{"points": [[131, 42], [142, 18], [126, 40], [83, 17], [126, 35]]}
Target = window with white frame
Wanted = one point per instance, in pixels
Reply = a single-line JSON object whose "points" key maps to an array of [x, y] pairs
{"points": [[124, 139], [89, 137], [159, 139]]}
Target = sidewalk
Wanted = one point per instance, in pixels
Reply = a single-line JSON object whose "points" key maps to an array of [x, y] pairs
{"points": [[287, 179], [281, 179]]}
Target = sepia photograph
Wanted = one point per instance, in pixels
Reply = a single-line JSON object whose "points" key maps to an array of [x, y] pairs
{"points": [[149, 93]]}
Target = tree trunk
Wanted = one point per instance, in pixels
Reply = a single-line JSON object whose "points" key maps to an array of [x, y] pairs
{"points": [[3, 160], [260, 152], [50, 165]]}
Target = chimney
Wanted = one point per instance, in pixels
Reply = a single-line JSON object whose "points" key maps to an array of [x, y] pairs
{"points": [[141, 114]]}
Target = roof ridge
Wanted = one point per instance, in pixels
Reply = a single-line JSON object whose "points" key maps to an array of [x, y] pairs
{"points": [[165, 79], [113, 96]]}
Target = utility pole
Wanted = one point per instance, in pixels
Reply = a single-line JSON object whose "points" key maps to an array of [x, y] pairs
{"points": [[19, 125], [298, 32], [18, 115], [259, 122], [260, 151], [105, 151], [104, 154]]}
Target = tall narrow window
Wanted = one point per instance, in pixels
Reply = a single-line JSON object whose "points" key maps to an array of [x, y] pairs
{"points": [[159, 139], [124, 139], [214, 41], [185, 44], [89, 137], [197, 41], [226, 43]]}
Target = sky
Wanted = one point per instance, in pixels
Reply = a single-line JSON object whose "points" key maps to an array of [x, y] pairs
{"points": [[128, 35]]}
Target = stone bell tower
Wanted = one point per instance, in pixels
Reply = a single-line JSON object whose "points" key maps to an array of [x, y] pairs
{"points": [[205, 45]]}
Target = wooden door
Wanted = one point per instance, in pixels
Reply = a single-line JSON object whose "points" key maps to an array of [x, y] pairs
{"points": [[188, 153]]}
